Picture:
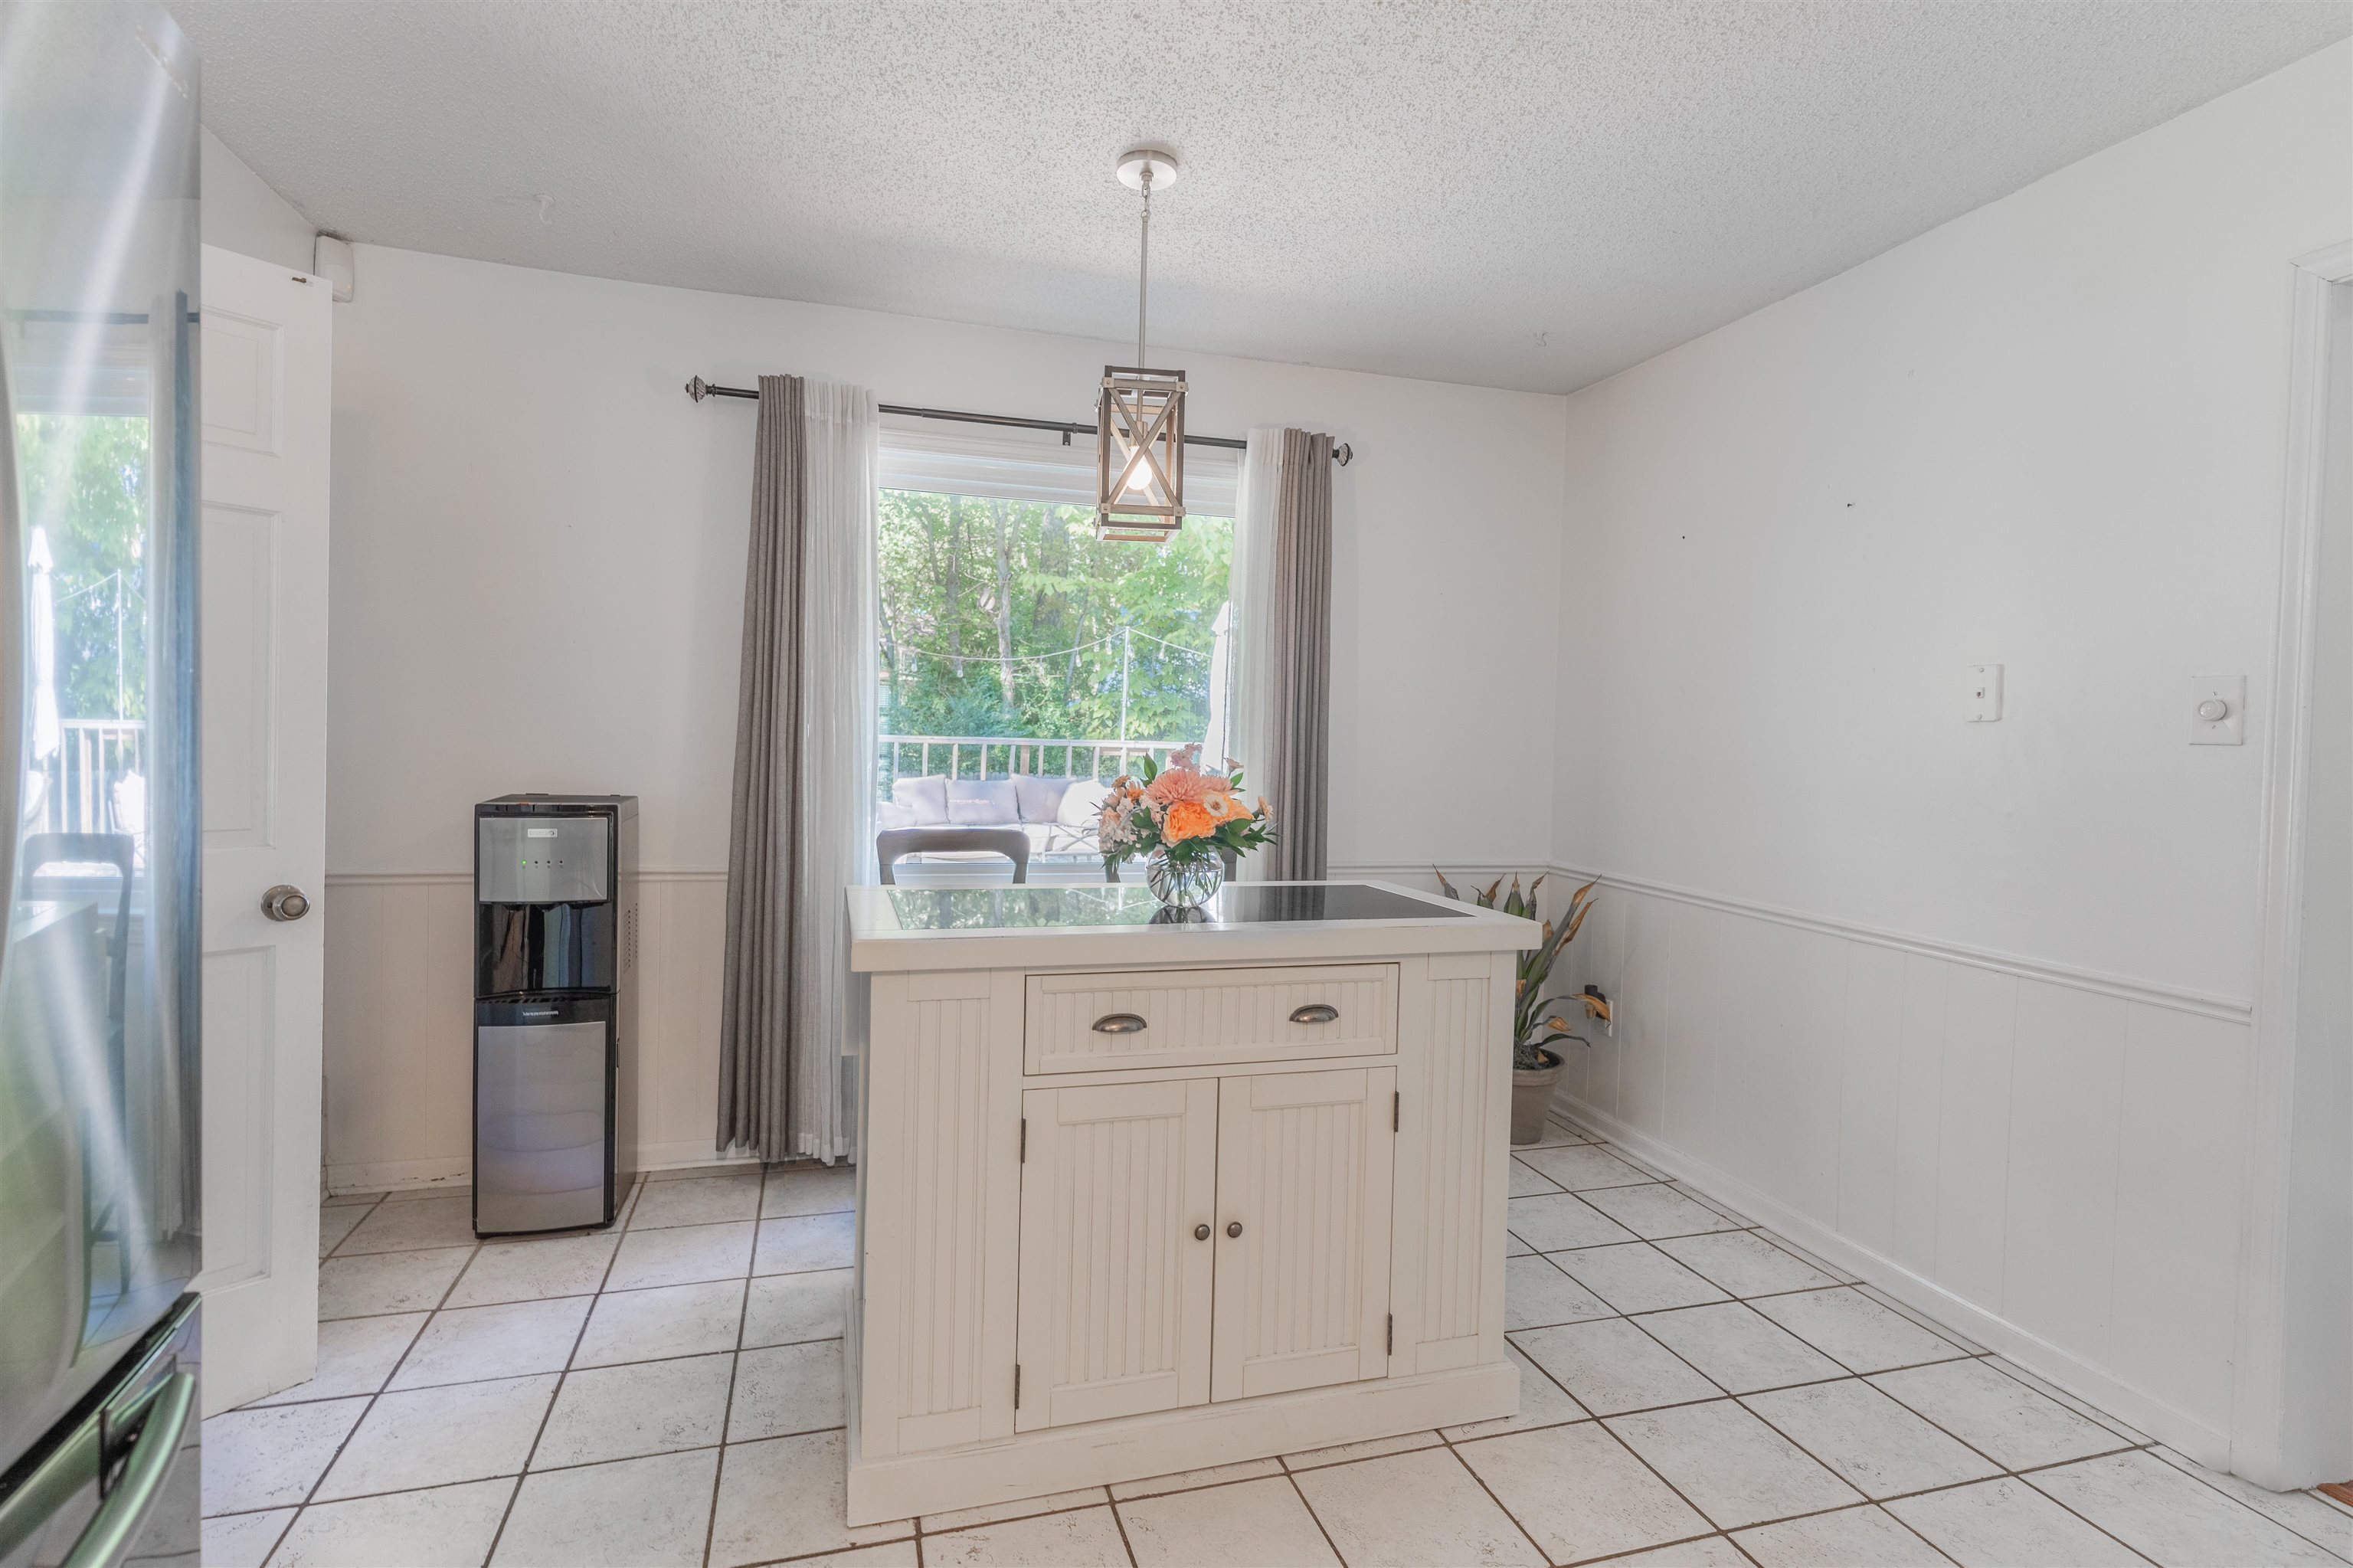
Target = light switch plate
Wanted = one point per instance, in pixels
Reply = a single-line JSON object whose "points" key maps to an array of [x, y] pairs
{"points": [[1981, 695], [2228, 727]]}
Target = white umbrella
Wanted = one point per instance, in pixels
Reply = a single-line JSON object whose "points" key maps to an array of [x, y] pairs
{"points": [[1215, 747]]}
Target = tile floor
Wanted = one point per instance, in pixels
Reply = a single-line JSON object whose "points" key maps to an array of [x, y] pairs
{"points": [[1693, 1391]]}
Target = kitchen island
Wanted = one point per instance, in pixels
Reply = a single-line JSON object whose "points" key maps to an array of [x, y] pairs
{"points": [[1139, 1196]]}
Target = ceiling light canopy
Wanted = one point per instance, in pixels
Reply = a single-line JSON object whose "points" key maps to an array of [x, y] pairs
{"points": [[1140, 416]]}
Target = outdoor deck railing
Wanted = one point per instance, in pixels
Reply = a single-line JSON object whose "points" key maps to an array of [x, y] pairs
{"points": [[92, 758], [980, 756]]}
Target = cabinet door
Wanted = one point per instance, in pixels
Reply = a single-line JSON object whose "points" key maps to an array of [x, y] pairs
{"points": [[1304, 1162], [1115, 1286]]}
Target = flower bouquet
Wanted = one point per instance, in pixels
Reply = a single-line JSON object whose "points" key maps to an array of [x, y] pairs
{"points": [[1183, 819]]}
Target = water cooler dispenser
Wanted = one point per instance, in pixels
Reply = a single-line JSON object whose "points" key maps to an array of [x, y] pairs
{"points": [[555, 1027]]}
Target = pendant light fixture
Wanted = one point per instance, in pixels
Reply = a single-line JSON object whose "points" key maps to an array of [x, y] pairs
{"points": [[1140, 421]]}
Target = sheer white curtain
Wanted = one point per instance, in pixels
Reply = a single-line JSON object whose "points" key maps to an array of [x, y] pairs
{"points": [[1248, 686]]}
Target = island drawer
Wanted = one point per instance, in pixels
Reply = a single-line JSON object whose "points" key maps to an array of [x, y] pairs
{"points": [[1161, 1018]]}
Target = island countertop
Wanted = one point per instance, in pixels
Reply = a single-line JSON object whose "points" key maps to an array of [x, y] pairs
{"points": [[1004, 927]]}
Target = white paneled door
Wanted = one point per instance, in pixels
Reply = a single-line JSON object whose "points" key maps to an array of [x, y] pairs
{"points": [[1302, 1295], [263, 674], [1118, 1184]]}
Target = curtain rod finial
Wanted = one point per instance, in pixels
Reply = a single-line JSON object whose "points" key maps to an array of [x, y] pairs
{"points": [[1342, 452], [698, 388]]}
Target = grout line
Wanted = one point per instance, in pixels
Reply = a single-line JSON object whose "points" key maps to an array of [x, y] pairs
{"points": [[2154, 1451], [1300, 1492]]}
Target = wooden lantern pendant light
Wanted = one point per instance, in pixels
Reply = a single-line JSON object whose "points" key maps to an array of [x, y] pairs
{"points": [[1140, 444]]}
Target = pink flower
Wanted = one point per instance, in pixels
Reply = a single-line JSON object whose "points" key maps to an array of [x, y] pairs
{"points": [[1176, 785]]}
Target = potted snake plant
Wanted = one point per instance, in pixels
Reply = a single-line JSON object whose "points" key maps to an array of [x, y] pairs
{"points": [[1538, 1020]]}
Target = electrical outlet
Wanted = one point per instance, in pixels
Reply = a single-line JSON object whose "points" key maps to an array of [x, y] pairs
{"points": [[2218, 710], [1981, 695]]}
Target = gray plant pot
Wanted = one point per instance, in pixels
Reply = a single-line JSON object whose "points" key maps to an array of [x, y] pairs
{"points": [[1532, 1097]]}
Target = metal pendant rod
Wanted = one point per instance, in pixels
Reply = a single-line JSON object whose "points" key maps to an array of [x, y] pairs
{"points": [[698, 389], [1144, 267]]}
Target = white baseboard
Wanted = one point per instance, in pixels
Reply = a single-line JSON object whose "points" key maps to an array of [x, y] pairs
{"points": [[398, 1175], [2094, 1384]]}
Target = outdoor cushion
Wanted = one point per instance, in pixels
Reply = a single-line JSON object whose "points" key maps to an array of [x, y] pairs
{"points": [[1083, 805], [927, 797], [1039, 795], [982, 802]]}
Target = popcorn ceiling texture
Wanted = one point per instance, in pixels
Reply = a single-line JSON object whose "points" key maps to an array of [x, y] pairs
{"points": [[1521, 195]]}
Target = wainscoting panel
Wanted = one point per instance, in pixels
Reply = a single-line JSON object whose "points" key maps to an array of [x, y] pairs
{"points": [[2051, 1163], [399, 1024]]}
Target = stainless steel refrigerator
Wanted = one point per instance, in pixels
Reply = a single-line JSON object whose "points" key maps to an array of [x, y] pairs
{"points": [[99, 1223]]}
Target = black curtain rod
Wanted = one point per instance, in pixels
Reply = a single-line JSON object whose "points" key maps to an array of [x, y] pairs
{"points": [[698, 389]]}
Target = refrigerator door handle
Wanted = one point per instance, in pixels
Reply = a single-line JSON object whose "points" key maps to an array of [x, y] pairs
{"points": [[126, 1509]]}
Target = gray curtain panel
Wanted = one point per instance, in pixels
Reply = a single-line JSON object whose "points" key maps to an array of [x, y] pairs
{"points": [[755, 1016], [1298, 640]]}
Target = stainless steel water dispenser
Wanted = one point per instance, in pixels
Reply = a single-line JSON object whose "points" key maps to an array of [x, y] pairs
{"points": [[555, 1035]]}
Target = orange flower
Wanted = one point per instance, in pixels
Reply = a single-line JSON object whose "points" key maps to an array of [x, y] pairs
{"points": [[1187, 819], [1175, 784]]}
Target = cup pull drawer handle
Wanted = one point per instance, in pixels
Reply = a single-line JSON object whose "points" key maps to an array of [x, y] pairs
{"points": [[1120, 1023], [1315, 1013]]}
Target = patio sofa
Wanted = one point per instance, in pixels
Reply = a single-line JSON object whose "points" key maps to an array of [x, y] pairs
{"points": [[1058, 815]]}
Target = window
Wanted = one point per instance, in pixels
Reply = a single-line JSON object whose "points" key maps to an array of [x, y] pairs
{"points": [[1023, 661]]}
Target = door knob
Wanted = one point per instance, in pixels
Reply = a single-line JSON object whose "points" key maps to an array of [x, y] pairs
{"points": [[1200, 1233], [285, 901], [1233, 1227]]}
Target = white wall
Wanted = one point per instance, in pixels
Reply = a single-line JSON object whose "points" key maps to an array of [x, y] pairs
{"points": [[244, 215], [537, 584], [1967, 1003]]}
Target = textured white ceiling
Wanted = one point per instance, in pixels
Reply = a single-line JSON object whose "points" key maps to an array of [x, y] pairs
{"points": [[1511, 194]]}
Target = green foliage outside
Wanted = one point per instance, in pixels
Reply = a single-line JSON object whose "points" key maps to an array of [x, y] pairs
{"points": [[1010, 617], [84, 483]]}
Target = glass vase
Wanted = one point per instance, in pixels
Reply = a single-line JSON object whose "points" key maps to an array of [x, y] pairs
{"points": [[1182, 883]]}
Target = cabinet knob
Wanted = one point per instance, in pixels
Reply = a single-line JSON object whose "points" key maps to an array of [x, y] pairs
{"points": [[1119, 1023], [1315, 1013], [1233, 1227], [1202, 1232]]}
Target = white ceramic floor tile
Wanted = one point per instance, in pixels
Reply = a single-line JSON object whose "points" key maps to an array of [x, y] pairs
{"points": [[1084, 1538], [684, 1254], [2173, 1518], [440, 1526], [1555, 1222], [243, 1539], [355, 1355], [784, 1308], [1655, 1211], [1411, 1510], [413, 1226], [662, 1321], [1740, 1351], [810, 1190], [1527, 1183], [1186, 1480], [2054, 1393], [1555, 1135], [646, 1408], [1998, 1416], [271, 1457], [1902, 1310], [1744, 1263], [432, 1437], [787, 1498], [637, 1513], [2008, 1524], [1537, 1295], [1636, 1277], [335, 1223], [1261, 1522], [1017, 1508], [2315, 1518], [1821, 1265], [785, 1389], [473, 1343], [1514, 1247], [889, 1554], [1874, 1444], [800, 1242], [1543, 1402], [705, 1202], [1851, 1538], [1730, 1466], [1610, 1366], [534, 1270], [387, 1282], [1580, 1493], [1582, 1166], [1707, 1552], [1370, 1448], [1696, 1196], [1852, 1328]]}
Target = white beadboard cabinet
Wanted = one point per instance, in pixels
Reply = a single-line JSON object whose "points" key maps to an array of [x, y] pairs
{"points": [[1142, 1198]]}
